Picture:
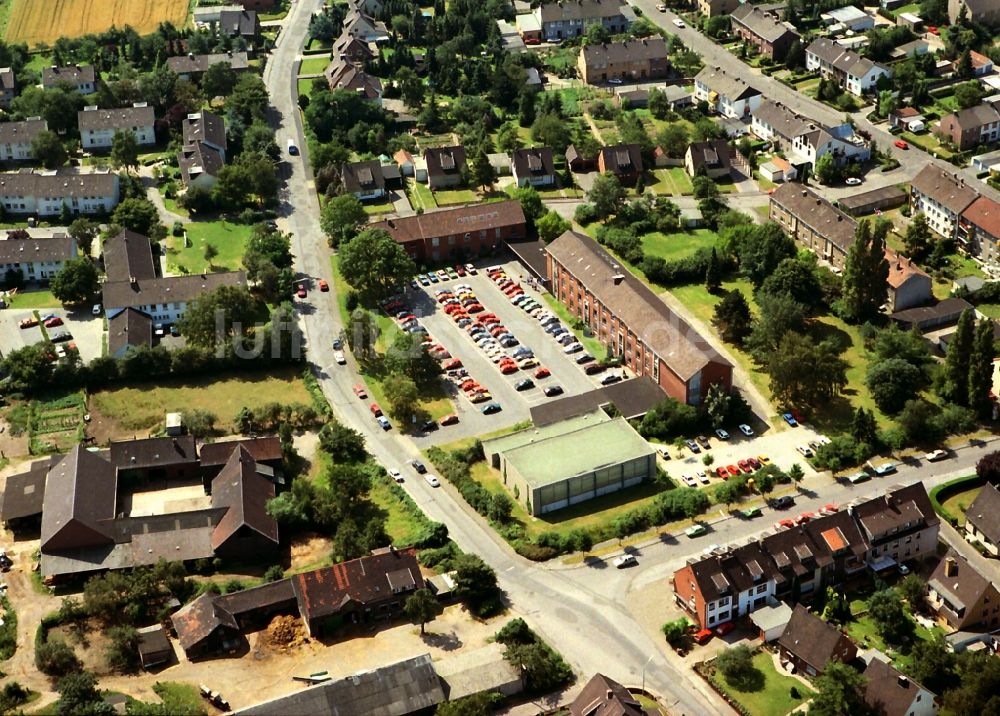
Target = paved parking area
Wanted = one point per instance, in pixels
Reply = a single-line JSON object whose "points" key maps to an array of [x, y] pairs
{"points": [[87, 330], [527, 330]]}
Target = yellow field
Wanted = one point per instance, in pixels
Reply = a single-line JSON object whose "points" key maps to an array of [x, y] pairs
{"points": [[35, 21]]}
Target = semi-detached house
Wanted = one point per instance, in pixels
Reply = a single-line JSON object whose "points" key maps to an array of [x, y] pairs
{"points": [[876, 534], [79, 77], [631, 60], [763, 32], [803, 140], [970, 127], [856, 74], [727, 94], [16, 138], [571, 18], [46, 192], [942, 197], [99, 126], [638, 327]]}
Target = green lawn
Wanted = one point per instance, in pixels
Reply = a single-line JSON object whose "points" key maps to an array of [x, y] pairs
{"points": [[33, 299], [806, 86], [420, 196], [673, 181], [228, 238], [957, 504], [143, 406], [450, 197], [774, 697], [305, 86], [590, 343], [314, 65], [378, 207], [863, 631], [682, 244]]}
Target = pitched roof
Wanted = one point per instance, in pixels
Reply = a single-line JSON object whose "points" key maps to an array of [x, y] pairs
{"points": [[263, 449], [782, 120], [365, 580], [984, 213], [80, 492], [726, 85], [982, 513], [964, 588], [362, 176], [608, 53], [760, 23], [197, 621], [713, 154], [944, 188], [974, 117], [535, 161], [24, 493], [128, 255], [621, 158], [948, 309], [153, 452], [204, 126], [351, 44], [817, 213], [811, 639], [633, 398], [154, 646], [581, 10], [603, 696], [238, 22], [901, 269], [74, 74], [197, 159], [406, 687], [345, 76], [57, 248], [7, 79], [897, 507], [888, 691], [169, 289], [60, 184], [129, 328], [24, 131], [825, 49], [123, 118], [193, 64], [628, 298], [444, 160], [466, 219], [243, 490], [886, 193]]}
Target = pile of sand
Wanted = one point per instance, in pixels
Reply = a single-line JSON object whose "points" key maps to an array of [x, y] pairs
{"points": [[285, 632]]}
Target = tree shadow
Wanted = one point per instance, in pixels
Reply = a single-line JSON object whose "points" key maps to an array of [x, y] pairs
{"points": [[444, 642], [749, 681]]}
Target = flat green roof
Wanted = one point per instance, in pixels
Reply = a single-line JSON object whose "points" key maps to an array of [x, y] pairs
{"points": [[506, 443], [569, 453]]}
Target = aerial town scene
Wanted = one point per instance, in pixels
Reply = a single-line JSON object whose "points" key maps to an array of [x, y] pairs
{"points": [[527, 357]]}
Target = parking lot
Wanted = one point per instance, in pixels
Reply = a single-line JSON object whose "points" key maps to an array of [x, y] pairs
{"points": [[87, 330], [529, 333]]}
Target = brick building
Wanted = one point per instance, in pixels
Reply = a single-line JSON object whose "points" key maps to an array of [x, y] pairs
{"points": [[627, 316], [813, 222], [632, 60], [762, 32]]}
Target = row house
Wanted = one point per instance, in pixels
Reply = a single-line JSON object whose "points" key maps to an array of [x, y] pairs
{"points": [[46, 192], [342, 75], [714, 8], [16, 138], [942, 197], [457, 233], [978, 230], [99, 126], [763, 32], [632, 321], [82, 78], [630, 61], [571, 18], [727, 94], [813, 222], [856, 74], [36, 259], [774, 122], [165, 299], [970, 127], [841, 142], [731, 582], [364, 27]]}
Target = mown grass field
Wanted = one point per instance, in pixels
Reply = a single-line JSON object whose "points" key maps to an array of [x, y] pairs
{"points": [[143, 406], [35, 21], [229, 240]]}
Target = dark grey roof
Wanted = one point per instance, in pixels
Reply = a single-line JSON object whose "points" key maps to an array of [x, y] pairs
{"points": [[263, 449], [343, 75], [782, 120], [197, 159], [608, 53], [73, 74], [964, 589], [817, 213], [266, 596], [153, 452], [633, 398], [169, 289], [676, 343], [198, 620], [24, 131], [123, 118], [536, 161], [941, 312], [713, 154], [362, 176], [892, 511], [889, 692], [444, 160], [582, 10], [733, 87], [406, 687], [886, 193], [603, 696], [811, 639], [129, 328], [984, 512], [154, 646], [128, 255], [80, 492], [205, 126], [58, 248], [239, 22], [8, 82], [621, 158], [193, 64], [240, 488], [24, 493], [760, 24], [63, 184]]}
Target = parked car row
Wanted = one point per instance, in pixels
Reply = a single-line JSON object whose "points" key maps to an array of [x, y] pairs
{"points": [[745, 466], [445, 274]]}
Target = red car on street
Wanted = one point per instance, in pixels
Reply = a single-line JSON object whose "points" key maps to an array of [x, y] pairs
{"points": [[901, 144]]}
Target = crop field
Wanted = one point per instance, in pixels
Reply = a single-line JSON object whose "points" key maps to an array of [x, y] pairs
{"points": [[34, 22]]}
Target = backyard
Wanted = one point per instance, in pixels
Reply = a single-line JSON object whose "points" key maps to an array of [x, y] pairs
{"points": [[679, 245], [315, 64], [672, 182], [774, 697], [187, 255], [41, 298], [957, 504]]}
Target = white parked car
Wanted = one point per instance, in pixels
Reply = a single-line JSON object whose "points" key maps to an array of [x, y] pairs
{"points": [[689, 480], [626, 560], [661, 7], [678, 22], [573, 348], [396, 475], [936, 455], [746, 430], [432, 481], [852, 181], [805, 450], [339, 357]]}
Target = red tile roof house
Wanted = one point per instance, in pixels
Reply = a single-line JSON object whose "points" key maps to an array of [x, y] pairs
{"points": [[909, 285], [632, 320], [603, 696], [978, 230], [809, 643], [464, 232]]}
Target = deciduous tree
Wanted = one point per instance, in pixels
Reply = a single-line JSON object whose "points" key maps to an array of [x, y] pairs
{"points": [[77, 281], [341, 218], [866, 272], [421, 607], [124, 150], [47, 148], [551, 226], [732, 317], [374, 264]]}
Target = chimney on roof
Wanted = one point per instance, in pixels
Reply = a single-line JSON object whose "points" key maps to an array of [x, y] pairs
{"points": [[618, 278], [610, 694], [950, 567], [190, 55], [903, 681]]}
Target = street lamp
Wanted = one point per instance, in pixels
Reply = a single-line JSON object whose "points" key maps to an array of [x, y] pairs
{"points": [[644, 672]]}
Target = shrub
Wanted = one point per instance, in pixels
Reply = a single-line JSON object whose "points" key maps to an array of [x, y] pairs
{"points": [[56, 658]]}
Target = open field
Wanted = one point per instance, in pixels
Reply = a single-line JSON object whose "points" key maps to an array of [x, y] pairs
{"points": [[228, 238], [143, 406], [35, 22]]}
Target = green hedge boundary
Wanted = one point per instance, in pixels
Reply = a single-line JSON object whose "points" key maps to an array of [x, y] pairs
{"points": [[946, 490]]}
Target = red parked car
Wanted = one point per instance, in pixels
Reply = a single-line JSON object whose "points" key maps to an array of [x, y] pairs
{"points": [[901, 144], [724, 628]]}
